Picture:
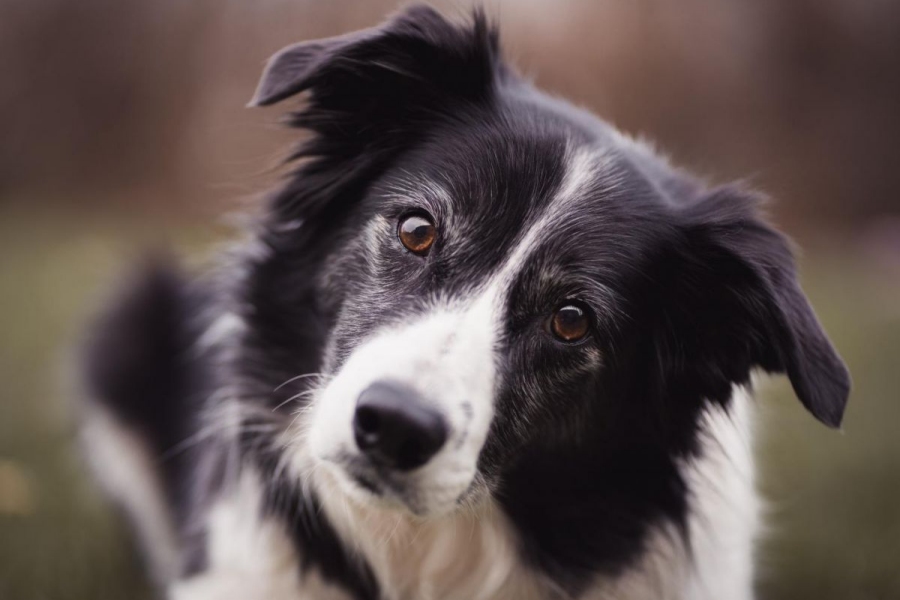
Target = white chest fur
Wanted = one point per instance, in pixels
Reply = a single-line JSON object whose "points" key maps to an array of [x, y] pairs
{"points": [[249, 557], [470, 554]]}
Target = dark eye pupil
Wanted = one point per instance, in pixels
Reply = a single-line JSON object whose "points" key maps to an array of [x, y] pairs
{"points": [[570, 318], [570, 315], [570, 323], [421, 232]]}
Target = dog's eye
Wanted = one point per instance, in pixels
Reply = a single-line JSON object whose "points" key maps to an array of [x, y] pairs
{"points": [[569, 323], [417, 233]]}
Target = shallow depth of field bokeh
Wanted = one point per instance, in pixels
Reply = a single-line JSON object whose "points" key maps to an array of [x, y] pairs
{"points": [[123, 128]]}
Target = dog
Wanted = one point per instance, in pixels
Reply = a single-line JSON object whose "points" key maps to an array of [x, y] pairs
{"points": [[479, 344]]}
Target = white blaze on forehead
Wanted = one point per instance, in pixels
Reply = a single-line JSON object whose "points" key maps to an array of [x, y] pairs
{"points": [[582, 165]]}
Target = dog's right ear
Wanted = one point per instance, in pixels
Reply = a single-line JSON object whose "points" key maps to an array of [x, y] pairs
{"points": [[416, 47], [372, 93], [294, 69]]}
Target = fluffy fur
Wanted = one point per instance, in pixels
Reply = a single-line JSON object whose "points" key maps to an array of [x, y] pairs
{"points": [[221, 408]]}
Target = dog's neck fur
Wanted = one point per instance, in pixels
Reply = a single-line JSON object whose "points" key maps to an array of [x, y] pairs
{"points": [[474, 553], [469, 554]]}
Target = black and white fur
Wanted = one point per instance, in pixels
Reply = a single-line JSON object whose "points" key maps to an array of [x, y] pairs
{"points": [[619, 467]]}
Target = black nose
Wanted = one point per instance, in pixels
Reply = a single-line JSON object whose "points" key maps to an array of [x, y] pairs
{"points": [[395, 428]]}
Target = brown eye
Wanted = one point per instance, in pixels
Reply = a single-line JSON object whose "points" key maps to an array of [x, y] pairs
{"points": [[569, 323], [417, 233]]}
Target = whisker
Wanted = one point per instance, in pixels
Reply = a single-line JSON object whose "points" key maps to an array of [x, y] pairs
{"points": [[295, 397], [220, 423], [295, 378]]}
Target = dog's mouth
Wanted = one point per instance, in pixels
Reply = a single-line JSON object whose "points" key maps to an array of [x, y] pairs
{"points": [[420, 494], [367, 483]]}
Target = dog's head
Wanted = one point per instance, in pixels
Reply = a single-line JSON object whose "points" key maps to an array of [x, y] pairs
{"points": [[489, 280]]}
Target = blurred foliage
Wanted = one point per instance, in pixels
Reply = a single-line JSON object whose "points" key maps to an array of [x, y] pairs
{"points": [[61, 540], [103, 97], [58, 538]]}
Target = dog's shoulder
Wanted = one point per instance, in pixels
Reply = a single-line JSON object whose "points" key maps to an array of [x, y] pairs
{"points": [[141, 382]]}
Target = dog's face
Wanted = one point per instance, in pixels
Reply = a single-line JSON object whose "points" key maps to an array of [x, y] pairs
{"points": [[499, 287], [473, 298]]}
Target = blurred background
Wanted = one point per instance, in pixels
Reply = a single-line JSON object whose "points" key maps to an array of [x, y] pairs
{"points": [[123, 127]]}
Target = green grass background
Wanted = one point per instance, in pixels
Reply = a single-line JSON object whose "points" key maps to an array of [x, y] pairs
{"points": [[834, 497]]}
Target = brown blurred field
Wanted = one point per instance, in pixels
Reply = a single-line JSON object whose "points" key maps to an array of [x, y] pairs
{"points": [[122, 127]]}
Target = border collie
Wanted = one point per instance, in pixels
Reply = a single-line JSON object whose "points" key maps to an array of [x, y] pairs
{"points": [[479, 345]]}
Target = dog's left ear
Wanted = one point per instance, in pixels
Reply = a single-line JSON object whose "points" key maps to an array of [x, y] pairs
{"points": [[740, 306]]}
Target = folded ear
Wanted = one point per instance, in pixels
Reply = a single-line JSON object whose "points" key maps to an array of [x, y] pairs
{"points": [[292, 69], [373, 93], [418, 47], [740, 306]]}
